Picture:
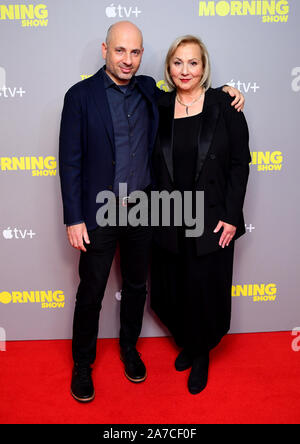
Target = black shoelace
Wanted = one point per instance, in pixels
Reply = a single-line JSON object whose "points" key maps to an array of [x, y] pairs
{"points": [[84, 374]]}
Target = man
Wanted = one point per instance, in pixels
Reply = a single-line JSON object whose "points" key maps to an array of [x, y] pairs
{"points": [[109, 123]]}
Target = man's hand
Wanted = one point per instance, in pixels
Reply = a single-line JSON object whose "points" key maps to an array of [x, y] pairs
{"points": [[227, 235], [239, 101], [76, 235]]}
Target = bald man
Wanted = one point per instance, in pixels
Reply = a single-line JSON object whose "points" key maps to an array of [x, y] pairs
{"points": [[108, 128]]}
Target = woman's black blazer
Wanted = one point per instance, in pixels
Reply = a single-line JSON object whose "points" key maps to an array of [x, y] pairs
{"points": [[221, 172]]}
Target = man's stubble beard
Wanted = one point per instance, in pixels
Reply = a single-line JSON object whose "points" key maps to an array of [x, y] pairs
{"points": [[118, 75]]}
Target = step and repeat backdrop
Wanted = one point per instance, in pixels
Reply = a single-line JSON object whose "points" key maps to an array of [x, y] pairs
{"points": [[45, 49]]}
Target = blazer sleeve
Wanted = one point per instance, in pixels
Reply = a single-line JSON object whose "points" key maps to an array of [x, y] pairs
{"points": [[70, 159], [239, 164]]}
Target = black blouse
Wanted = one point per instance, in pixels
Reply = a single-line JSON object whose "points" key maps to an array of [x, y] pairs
{"points": [[185, 150]]}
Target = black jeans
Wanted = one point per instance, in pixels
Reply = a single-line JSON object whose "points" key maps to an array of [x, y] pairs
{"points": [[94, 268]]}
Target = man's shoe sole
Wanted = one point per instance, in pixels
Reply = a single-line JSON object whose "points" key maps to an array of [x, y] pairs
{"points": [[136, 381], [83, 400]]}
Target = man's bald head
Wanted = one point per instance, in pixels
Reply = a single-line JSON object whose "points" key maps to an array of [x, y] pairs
{"points": [[123, 51], [123, 27]]}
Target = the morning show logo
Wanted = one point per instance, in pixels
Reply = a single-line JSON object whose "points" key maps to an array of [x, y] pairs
{"points": [[39, 166], [29, 15], [47, 299], [267, 160], [271, 11], [257, 292]]}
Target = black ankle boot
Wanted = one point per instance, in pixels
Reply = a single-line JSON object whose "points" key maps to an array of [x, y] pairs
{"points": [[199, 374], [135, 369], [82, 388]]}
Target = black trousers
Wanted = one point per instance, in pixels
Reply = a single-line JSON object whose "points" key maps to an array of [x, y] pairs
{"points": [[192, 294], [94, 268]]}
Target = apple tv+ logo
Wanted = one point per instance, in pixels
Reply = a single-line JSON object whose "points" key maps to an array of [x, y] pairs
{"points": [[16, 233], [122, 11]]}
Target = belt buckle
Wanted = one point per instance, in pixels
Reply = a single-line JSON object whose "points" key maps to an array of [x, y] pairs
{"points": [[124, 201]]}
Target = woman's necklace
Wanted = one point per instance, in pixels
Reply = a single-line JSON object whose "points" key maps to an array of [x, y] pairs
{"points": [[187, 105]]}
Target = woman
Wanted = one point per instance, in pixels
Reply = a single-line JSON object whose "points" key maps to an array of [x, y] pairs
{"points": [[202, 145]]}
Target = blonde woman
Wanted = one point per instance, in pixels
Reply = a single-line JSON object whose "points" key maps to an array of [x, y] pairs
{"points": [[202, 145]]}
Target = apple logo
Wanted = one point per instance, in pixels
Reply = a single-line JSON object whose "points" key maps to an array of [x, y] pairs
{"points": [[7, 234], [111, 11]]}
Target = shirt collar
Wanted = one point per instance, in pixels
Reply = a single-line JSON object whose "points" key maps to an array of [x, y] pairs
{"points": [[108, 82]]}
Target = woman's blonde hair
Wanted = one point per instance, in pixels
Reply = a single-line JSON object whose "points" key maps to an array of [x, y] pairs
{"points": [[206, 78]]}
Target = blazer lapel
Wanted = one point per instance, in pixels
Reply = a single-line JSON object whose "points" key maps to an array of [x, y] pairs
{"points": [[210, 115], [101, 102], [166, 133]]}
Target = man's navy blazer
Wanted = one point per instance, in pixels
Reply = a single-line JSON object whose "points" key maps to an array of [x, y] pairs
{"points": [[86, 145]]}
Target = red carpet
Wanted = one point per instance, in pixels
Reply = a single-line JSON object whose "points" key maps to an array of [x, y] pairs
{"points": [[254, 378]]}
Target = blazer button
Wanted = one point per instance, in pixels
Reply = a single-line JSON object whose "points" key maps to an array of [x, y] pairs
{"points": [[113, 162], [213, 156], [110, 187]]}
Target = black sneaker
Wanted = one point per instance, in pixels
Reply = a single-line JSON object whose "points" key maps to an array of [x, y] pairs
{"points": [[135, 369], [82, 388], [183, 361]]}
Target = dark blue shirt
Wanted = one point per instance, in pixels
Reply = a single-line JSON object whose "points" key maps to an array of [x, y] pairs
{"points": [[130, 116]]}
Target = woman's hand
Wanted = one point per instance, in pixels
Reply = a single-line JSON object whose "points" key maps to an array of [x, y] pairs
{"points": [[239, 100], [227, 234]]}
